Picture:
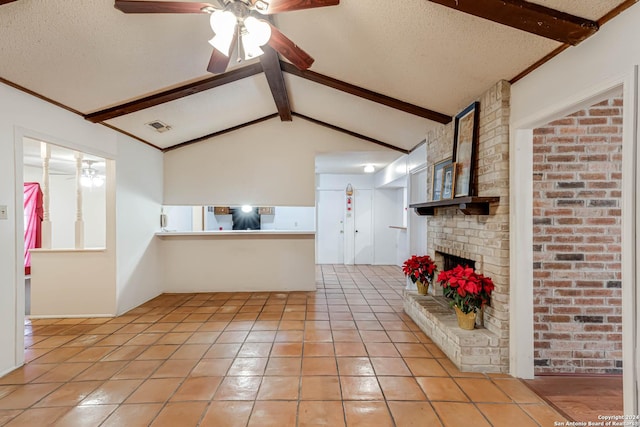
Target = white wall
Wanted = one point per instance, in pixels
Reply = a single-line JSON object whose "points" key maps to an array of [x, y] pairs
{"points": [[23, 115], [557, 88], [298, 218], [267, 164], [138, 201]]}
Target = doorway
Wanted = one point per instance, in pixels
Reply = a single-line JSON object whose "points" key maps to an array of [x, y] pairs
{"points": [[522, 235], [344, 236]]}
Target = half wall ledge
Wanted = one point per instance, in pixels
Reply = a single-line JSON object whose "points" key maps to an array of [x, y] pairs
{"points": [[471, 351]]}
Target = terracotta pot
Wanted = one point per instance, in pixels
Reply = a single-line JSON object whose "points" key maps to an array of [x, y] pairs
{"points": [[423, 288], [465, 320]]}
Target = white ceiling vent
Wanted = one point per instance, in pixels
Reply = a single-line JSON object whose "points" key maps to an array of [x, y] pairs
{"points": [[159, 126]]}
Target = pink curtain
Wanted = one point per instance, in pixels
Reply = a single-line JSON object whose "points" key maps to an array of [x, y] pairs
{"points": [[32, 221]]}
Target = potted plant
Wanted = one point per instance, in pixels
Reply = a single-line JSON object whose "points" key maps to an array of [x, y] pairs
{"points": [[468, 291], [420, 269]]}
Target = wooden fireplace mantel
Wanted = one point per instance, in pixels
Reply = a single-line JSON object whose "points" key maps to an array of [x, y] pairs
{"points": [[471, 205]]}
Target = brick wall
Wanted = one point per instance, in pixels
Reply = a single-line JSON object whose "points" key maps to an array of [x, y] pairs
{"points": [[577, 224], [483, 238]]}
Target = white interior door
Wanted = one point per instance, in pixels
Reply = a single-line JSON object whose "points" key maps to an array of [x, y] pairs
{"points": [[330, 229], [363, 232]]}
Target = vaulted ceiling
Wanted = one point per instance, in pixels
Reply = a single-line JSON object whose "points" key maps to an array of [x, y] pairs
{"points": [[384, 71]]}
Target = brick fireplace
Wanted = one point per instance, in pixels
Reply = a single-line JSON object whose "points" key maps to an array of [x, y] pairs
{"points": [[480, 238]]}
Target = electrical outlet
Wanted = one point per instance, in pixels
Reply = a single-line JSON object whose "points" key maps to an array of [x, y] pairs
{"points": [[3, 212]]}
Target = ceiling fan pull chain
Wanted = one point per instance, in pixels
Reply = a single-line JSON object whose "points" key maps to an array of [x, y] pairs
{"points": [[239, 45]]}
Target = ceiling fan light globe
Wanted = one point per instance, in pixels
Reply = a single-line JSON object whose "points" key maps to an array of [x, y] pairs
{"points": [[98, 181], [259, 30], [250, 47], [85, 181], [223, 23], [222, 44]]}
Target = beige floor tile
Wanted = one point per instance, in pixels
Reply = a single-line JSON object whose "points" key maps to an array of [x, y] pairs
{"points": [[211, 368], [314, 413], [425, 367], [362, 414], [238, 388], [414, 414], [112, 392], [279, 388], [190, 351], [350, 349], [318, 349], [320, 388], [248, 366], [174, 369], [506, 414], [183, 414], [155, 390], [133, 415], [37, 417], [441, 389], [273, 414], [381, 350], [284, 366], [138, 369], [459, 414], [319, 366], [360, 388], [27, 395], [401, 388], [69, 394], [286, 349], [83, 416], [482, 390], [100, 371], [543, 414], [390, 366], [355, 366], [517, 390], [197, 388]]}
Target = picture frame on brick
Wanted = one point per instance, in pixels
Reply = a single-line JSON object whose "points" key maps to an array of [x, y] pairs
{"points": [[465, 141], [449, 181], [437, 179]]}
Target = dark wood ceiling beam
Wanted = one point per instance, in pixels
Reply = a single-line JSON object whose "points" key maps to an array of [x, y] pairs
{"points": [[366, 94], [348, 132], [174, 94], [221, 132], [275, 78], [529, 17]]}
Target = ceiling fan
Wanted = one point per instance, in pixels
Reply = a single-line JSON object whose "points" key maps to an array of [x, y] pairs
{"points": [[237, 25]]}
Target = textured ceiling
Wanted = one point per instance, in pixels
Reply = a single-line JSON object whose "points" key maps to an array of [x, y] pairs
{"points": [[87, 55]]}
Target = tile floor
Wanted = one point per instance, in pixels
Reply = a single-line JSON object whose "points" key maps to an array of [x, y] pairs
{"points": [[345, 355]]}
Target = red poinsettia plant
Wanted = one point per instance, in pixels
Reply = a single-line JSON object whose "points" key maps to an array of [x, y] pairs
{"points": [[419, 268], [467, 289]]}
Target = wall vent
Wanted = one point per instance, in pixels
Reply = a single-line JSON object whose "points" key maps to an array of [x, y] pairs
{"points": [[159, 126]]}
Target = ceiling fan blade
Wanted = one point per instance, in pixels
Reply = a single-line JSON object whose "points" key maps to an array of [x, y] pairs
{"points": [[127, 6], [218, 62], [283, 45], [6, 1], [278, 6]]}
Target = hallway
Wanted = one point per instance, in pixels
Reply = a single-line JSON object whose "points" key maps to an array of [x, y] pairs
{"points": [[345, 355]]}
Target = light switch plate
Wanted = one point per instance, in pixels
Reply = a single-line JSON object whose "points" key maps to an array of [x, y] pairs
{"points": [[3, 212]]}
